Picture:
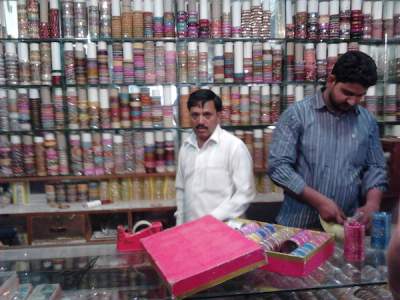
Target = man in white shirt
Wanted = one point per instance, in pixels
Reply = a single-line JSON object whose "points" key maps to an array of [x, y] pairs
{"points": [[215, 169]]}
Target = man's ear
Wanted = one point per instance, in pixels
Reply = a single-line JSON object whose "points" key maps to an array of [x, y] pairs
{"points": [[331, 79]]}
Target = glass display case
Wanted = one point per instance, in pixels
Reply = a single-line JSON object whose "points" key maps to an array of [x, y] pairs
{"points": [[99, 272]]}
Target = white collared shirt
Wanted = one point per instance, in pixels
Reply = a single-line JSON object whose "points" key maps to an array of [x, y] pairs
{"points": [[215, 179]]}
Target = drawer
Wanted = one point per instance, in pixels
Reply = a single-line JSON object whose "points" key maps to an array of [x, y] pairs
{"points": [[58, 227]]}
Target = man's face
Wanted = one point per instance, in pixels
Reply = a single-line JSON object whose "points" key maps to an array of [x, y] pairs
{"points": [[204, 120], [344, 96]]}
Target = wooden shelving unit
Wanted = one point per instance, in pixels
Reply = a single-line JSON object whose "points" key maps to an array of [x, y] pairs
{"points": [[82, 177]]}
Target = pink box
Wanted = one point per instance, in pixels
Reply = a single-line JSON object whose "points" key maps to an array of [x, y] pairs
{"points": [[201, 254], [130, 241], [292, 265]]}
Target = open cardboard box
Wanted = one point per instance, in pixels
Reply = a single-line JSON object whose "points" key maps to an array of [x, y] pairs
{"points": [[292, 265], [200, 254]]}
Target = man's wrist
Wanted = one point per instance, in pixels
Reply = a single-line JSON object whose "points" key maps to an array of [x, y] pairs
{"points": [[314, 198], [373, 204]]}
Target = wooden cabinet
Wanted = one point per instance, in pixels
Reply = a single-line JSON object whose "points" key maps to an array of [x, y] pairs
{"points": [[39, 225], [57, 227], [391, 147]]}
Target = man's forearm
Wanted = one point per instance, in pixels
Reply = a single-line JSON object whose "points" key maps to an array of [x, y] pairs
{"points": [[374, 197], [326, 207], [312, 197]]}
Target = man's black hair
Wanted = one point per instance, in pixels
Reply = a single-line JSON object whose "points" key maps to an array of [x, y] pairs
{"points": [[202, 96], [356, 67]]}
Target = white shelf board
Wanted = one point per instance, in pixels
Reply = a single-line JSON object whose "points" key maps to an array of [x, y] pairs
{"points": [[57, 252], [38, 205], [268, 198], [36, 208]]}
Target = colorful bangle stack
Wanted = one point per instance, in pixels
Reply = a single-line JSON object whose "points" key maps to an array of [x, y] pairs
{"points": [[128, 65], [80, 19], [93, 19], [138, 61]]}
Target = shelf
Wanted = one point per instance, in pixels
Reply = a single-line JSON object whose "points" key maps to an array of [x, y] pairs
{"points": [[142, 39], [30, 40], [211, 40], [268, 198], [65, 178], [183, 84], [117, 85], [42, 208], [231, 39], [393, 80], [25, 86], [287, 82], [319, 81], [390, 139], [190, 39], [389, 122], [107, 85], [236, 127], [37, 131], [190, 84], [82, 177], [88, 39], [187, 84], [335, 41], [35, 253]]}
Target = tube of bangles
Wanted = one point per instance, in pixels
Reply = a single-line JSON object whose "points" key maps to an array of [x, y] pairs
{"points": [[55, 63], [44, 32], [116, 29], [93, 19]]}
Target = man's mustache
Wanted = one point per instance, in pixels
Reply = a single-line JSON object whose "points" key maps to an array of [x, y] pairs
{"points": [[201, 127]]}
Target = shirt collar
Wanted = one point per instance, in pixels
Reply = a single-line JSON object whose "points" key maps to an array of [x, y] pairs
{"points": [[215, 137], [319, 103]]}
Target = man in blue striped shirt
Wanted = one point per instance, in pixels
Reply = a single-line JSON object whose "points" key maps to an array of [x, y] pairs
{"points": [[326, 152]]}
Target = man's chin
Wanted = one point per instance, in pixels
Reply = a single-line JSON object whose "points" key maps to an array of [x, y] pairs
{"points": [[346, 108], [201, 131], [202, 135]]}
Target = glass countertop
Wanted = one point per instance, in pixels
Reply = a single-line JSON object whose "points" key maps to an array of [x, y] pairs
{"points": [[100, 272]]}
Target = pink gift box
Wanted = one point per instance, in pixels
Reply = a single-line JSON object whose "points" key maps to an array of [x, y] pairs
{"points": [[201, 254], [292, 265]]}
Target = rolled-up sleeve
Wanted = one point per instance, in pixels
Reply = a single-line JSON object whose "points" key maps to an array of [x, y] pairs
{"points": [[283, 153], [375, 173]]}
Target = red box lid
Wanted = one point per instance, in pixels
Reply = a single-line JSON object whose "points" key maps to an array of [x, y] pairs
{"points": [[200, 254]]}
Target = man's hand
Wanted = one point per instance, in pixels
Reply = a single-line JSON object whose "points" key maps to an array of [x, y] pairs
{"points": [[366, 212], [327, 208], [373, 201], [330, 211]]}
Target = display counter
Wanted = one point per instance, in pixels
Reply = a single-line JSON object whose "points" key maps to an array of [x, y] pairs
{"points": [[99, 272]]}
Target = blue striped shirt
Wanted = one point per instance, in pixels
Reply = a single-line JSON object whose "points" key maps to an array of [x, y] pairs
{"points": [[338, 155]]}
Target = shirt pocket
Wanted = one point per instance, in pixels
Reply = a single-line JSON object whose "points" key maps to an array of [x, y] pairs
{"points": [[359, 152], [217, 178], [312, 155]]}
